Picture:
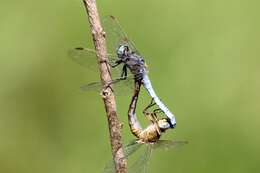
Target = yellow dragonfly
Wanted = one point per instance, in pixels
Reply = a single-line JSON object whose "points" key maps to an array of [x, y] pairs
{"points": [[148, 137]]}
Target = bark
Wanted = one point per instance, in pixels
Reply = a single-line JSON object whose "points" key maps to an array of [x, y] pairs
{"points": [[107, 93]]}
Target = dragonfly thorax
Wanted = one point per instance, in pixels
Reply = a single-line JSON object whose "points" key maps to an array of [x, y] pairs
{"points": [[132, 60], [149, 134], [153, 132]]}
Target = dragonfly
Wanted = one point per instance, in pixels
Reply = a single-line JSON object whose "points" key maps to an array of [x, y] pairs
{"points": [[148, 138], [124, 57]]}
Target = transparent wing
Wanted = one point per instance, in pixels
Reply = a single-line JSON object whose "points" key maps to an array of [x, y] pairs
{"points": [[115, 35], [87, 58], [119, 86], [141, 164], [129, 149], [110, 167], [84, 56], [168, 144]]}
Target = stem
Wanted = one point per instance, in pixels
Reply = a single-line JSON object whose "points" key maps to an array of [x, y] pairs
{"points": [[107, 94]]}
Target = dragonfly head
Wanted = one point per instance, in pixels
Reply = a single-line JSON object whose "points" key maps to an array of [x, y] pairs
{"points": [[164, 124], [122, 51]]}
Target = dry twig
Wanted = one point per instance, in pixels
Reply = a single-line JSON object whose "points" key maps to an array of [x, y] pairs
{"points": [[107, 94]]}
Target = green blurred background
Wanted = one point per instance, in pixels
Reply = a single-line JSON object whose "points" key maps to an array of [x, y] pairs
{"points": [[203, 58]]}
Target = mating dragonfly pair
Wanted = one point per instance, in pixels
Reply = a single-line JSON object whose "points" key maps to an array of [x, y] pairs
{"points": [[124, 56]]}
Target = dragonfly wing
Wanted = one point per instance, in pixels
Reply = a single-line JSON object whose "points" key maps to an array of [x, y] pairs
{"points": [[168, 144], [115, 35], [129, 149], [87, 58], [110, 167], [84, 56], [141, 164], [119, 86], [93, 86]]}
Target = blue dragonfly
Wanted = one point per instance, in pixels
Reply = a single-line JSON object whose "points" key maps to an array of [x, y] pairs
{"points": [[123, 57]]}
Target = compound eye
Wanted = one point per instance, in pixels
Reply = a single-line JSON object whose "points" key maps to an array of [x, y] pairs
{"points": [[126, 48], [164, 124]]}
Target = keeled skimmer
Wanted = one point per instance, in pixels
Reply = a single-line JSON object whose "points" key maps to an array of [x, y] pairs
{"points": [[147, 137], [122, 52]]}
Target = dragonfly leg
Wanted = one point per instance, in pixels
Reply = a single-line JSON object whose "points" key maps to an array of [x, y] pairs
{"points": [[109, 86], [118, 62], [122, 77], [124, 73], [157, 111], [151, 104], [151, 115]]}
